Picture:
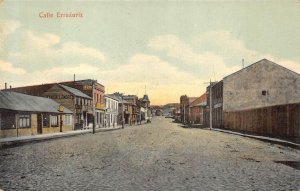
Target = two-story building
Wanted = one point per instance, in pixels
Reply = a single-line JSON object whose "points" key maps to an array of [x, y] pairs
{"points": [[78, 102], [185, 111], [143, 107], [133, 100], [111, 110], [96, 91]]}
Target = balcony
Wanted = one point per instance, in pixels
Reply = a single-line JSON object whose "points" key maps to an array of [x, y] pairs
{"points": [[100, 106]]}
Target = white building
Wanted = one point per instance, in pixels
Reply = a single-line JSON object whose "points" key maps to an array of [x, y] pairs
{"points": [[111, 110]]}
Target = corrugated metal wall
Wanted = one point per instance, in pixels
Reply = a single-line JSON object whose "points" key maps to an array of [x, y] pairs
{"points": [[276, 121]]}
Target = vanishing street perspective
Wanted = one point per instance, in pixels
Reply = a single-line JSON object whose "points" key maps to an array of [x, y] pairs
{"points": [[150, 95], [161, 155]]}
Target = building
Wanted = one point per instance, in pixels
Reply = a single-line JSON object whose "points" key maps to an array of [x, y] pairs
{"points": [[78, 102], [217, 104], [22, 115], [125, 109], [169, 109], [185, 102], [157, 110], [132, 108], [143, 107], [96, 91], [206, 113], [111, 110], [262, 99], [197, 108], [91, 88]]}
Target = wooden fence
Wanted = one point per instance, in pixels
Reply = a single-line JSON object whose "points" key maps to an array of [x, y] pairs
{"points": [[281, 121]]}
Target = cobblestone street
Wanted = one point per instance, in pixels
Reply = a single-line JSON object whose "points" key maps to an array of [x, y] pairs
{"points": [[157, 156]]}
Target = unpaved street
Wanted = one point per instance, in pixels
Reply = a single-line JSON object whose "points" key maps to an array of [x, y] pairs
{"points": [[157, 156]]}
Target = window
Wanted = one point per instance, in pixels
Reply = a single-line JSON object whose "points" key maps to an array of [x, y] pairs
{"points": [[24, 121], [68, 119], [54, 120], [264, 92], [7, 120]]}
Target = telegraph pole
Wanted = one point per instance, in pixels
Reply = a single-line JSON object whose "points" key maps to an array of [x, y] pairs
{"points": [[183, 113], [122, 112], [94, 115], [210, 105]]}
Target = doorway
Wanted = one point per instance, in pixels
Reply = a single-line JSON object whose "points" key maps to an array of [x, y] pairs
{"points": [[40, 124]]}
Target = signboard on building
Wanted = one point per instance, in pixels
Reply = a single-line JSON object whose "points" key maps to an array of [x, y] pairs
{"points": [[60, 96], [61, 108], [100, 106], [87, 87]]}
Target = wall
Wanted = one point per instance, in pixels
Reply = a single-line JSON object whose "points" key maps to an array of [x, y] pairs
{"points": [[21, 131], [29, 131], [33, 129], [281, 121], [196, 115], [243, 89], [217, 105], [61, 96]]}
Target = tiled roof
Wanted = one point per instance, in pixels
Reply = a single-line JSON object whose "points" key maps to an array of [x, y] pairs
{"points": [[200, 101], [21, 102]]}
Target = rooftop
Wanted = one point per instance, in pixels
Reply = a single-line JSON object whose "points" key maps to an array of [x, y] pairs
{"points": [[22, 102], [75, 92], [145, 98]]}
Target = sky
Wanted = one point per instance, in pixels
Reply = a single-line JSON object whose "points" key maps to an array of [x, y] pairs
{"points": [[171, 47]]}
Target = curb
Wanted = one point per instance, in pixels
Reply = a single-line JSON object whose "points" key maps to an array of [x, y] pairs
{"points": [[104, 130], [5, 144], [12, 143], [262, 138]]}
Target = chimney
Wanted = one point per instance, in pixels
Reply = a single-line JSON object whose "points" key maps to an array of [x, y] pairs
{"points": [[5, 85]]}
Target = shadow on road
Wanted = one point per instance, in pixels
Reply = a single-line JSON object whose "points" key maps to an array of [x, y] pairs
{"points": [[293, 164]]}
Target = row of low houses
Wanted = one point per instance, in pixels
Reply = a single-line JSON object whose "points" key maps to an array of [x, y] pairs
{"points": [[67, 106], [262, 99]]}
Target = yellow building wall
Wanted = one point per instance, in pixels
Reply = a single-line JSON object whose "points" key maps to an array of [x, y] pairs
{"points": [[5, 133], [8, 133], [21, 131]]}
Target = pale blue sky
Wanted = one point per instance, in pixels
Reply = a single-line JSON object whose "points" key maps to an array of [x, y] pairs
{"points": [[173, 47]]}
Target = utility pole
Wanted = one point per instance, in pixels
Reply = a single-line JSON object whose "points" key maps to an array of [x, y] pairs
{"points": [[141, 114], [183, 113], [210, 105], [94, 105], [122, 112]]}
